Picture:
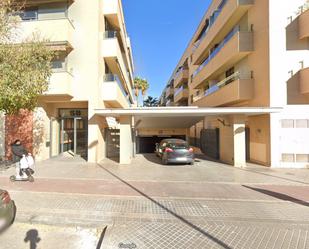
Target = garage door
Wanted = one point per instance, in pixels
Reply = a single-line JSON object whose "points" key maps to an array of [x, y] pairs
{"points": [[148, 144]]}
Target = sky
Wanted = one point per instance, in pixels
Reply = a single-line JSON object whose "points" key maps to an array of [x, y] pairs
{"points": [[160, 31]]}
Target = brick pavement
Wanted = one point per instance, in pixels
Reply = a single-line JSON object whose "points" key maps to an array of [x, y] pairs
{"points": [[173, 223], [205, 206]]}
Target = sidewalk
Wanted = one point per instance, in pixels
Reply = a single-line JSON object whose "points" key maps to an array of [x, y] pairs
{"points": [[148, 205], [162, 223]]}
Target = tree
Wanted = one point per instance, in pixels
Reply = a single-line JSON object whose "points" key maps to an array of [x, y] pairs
{"points": [[140, 85], [137, 86], [151, 102], [144, 87], [25, 66]]}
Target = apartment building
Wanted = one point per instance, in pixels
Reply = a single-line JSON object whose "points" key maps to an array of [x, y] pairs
{"points": [[248, 54], [93, 68]]}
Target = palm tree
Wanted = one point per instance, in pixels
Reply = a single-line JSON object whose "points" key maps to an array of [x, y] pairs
{"points": [[140, 85], [144, 87], [151, 102], [137, 86]]}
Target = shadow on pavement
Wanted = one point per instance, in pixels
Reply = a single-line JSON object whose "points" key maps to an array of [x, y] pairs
{"points": [[280, 196], [151, 157], [32, 236], [182, 219], [99, 245]]}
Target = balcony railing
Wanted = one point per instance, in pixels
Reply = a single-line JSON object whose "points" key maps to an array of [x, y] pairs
{"points": [[236, 76], [179, 90], [115, 78], [110, 34], [212, 21], [217, 50], [183, 69], [302, 9]]}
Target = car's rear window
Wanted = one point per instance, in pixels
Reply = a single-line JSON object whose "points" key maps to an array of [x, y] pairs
{"points": [[178, 145]]}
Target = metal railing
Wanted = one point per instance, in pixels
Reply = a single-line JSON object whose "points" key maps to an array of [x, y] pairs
{"points": [[179, 90], [114, 78], [212, 21], [235, 76], [213, 53], [180, 71], [110, 34]]}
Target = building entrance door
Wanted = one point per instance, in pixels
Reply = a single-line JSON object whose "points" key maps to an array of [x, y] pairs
{"points": [[69, 133]]}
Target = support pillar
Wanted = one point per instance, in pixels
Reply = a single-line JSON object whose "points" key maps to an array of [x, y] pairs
{"points": [[126, 140], [239, 132]]}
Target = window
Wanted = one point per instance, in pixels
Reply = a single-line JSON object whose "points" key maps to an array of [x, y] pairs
{"points": [[29, 14], [229, 73], [59, 65], [302, 158], [287, 123], [287, 158], [301, 123]]}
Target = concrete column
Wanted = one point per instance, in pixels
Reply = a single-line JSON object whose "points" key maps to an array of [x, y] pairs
{"points": [[93, 134], [239, 131], [126, 140]]}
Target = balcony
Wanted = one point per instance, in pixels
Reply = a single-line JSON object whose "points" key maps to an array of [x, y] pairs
{"points": [[232, 49], [181, 77], [59, 32], [222, 22], [181, 94], [298, 88], [60, 87], [36, 2], [170, 103], [304, 81], [169, 92], [113, 92], [114, 57], [303, 23], [237, 88], [112, 11]]}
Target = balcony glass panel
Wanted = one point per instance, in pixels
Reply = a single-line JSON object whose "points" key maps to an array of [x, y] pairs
{"points": [[212, 21], [217, 49], [226, 81], [179, 90], [115, 78]]}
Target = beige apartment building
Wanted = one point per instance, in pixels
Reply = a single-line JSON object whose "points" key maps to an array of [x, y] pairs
{"points": [[248, 54], [93, 69]]}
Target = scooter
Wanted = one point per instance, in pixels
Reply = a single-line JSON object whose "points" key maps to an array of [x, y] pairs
{"points": [[24, 171]]}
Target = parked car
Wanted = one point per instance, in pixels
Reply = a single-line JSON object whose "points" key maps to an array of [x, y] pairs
{"points": [[175, 151], [7, 210]]}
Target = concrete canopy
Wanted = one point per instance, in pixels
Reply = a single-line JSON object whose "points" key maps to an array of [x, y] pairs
{"points": [[178, 117]]}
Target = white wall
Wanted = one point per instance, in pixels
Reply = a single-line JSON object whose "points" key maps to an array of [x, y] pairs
{"points": [[286, 53]]}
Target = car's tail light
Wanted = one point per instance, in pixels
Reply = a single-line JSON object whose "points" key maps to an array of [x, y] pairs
{"points": [[5, 197], [191, 150], [168, 150]]}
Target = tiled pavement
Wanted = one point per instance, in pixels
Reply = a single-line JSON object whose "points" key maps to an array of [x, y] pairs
{"points": [[174, 223], [146, 205]]}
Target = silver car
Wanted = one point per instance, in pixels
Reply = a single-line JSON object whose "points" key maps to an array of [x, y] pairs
{"points": [[175, 151]]}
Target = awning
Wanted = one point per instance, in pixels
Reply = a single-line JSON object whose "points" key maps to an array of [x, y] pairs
{"points": [[180, 117]]}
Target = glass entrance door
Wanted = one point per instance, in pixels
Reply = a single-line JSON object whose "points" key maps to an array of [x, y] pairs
{"points": [[69, 133], [74, 136]]}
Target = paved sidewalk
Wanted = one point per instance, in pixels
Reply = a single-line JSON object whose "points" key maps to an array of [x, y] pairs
{"points": [[149, 168], [148, 205], [167, 222]]}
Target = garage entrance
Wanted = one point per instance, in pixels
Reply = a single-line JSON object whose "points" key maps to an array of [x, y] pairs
{"points": [[147, 144], [142, 128]]}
